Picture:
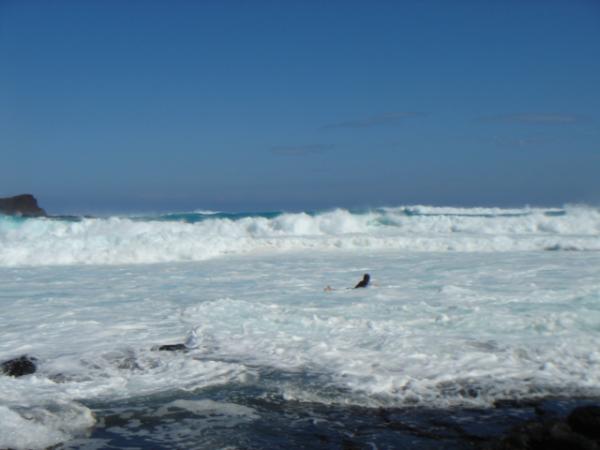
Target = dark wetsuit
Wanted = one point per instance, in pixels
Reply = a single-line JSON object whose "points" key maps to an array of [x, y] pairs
{"points": [[364, 282]]}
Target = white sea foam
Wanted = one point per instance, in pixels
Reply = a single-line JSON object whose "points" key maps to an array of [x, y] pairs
{"points": [[115, 240], [43, 426], [206, 212], [436, 328], [208, 408]]}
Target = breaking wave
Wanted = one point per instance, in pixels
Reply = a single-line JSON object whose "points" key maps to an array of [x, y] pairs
{"points": [[202, 235]]}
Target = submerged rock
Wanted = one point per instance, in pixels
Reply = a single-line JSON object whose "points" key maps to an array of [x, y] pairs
{"points": [[21, 205], [17, 367], [191, 342], [172, 348]]}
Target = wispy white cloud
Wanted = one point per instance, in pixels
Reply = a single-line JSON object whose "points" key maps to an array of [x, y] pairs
{"points": [[380, 119], [301, 150], [536, 118], [524, 141]]}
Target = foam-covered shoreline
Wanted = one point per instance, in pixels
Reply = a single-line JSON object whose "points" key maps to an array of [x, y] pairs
{"points": [[467, 311], [436, 331]]}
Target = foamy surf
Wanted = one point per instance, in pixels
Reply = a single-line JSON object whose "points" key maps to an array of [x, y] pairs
{"points": [[185, 237], [490, 317]]}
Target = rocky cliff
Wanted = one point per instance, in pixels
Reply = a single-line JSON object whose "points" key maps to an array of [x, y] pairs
{"points": [[21, 205]]}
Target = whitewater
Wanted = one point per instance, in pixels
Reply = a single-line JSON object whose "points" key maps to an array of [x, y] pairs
{"points": [[468, 308]]}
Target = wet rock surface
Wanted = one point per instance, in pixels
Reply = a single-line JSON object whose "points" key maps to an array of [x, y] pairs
{"points": [[18, 367], [172, 348], [580, 430], [586, 421]]}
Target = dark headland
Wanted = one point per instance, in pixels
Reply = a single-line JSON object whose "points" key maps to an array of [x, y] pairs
{"points": [[21, 205]]}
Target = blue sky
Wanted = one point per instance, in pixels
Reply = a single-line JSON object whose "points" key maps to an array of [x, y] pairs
{"points": [[173, 105]]}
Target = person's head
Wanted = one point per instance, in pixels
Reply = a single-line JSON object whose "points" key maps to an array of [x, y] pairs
{"points": [[366, 277]]}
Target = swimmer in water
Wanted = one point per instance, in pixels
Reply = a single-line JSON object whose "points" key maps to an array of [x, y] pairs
{"points": [[364, 282], [361, 284]]}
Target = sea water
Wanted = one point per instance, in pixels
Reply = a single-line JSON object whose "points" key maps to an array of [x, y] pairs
{"points": [[468, 308]]}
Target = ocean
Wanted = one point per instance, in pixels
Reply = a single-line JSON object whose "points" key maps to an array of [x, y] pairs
{"points": [[474, 319]]}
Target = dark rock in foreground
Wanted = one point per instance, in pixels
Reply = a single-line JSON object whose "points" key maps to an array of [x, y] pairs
{"points": [[17, 367], [172, 348], [586, 420], [21, 205], [579, 431]]}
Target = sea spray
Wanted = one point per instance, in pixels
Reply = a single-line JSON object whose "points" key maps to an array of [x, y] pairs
{"points": [[197, 237]]}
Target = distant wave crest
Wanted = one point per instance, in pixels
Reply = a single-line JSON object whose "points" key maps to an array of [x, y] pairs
{"points": [[198, 236]]}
